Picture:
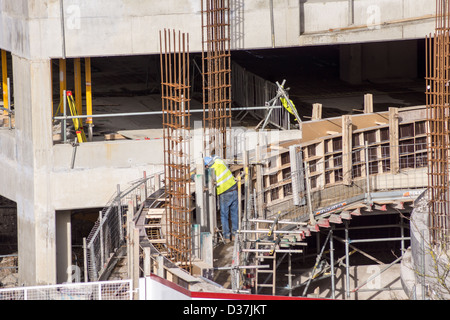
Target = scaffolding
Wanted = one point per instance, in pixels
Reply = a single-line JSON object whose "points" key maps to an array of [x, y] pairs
{"points": [[176, 134], [375, 190], [216, 70], [437, 101]]}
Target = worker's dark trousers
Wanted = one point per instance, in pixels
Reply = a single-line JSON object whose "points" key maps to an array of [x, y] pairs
{"points": [[229, 208]]}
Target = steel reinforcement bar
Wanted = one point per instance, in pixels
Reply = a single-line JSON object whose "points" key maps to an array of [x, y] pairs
{"points": [[437, 101], [216, 70], [176, 123]]}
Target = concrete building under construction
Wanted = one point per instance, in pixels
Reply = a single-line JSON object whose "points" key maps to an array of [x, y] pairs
{"points": [[332, 116]]}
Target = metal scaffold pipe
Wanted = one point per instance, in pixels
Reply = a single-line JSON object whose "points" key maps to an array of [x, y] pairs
{"points": [[144, 113]]}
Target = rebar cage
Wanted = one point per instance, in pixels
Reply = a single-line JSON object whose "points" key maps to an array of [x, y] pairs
{"points": [[216, 69], [176, 123], [437, 101]]}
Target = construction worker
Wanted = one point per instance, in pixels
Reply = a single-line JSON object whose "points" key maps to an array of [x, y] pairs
{"points": [[226, 189]]}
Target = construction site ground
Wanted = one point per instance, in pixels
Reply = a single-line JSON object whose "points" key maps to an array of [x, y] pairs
{"points": [[223, 257]]}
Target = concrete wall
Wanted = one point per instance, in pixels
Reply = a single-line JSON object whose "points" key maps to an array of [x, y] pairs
{"points": [[328, 22], [8, 224], [8, 165], [323, 15], [40, 187], [98, 168], [33, 29], [38, 175], [371, 284], [378, 60], [391, 60]]}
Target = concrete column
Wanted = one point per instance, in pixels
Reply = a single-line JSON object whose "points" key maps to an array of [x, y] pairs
{"points": [[206, 240], [347, 149], [351, 13], [212, 202], [301, 17], [201, 211], [389, 60], [147, 261], [295, 173], [368, 103], [35, 213], [64, 246], [393, 140], [378, 60], [351, 63], [317, 111]]}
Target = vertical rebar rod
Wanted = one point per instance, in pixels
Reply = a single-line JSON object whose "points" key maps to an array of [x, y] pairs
{"points": [[175, 90], [437, 101], [216, 71]]}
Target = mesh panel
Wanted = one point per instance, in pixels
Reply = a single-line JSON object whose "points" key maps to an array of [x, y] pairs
{"points": [[108, 290]]}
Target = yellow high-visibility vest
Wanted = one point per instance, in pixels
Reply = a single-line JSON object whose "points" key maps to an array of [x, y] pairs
{"points": [[224, 177]]}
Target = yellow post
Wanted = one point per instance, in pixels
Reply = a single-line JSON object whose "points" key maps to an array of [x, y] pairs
{"points": [[88, 89], [62, 78], [5, 82], [78, 94]]}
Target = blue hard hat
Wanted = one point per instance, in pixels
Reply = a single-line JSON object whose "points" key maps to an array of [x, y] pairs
{"points": [[207, 160]]}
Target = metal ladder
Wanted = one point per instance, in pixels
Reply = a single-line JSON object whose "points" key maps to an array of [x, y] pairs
{"points": [[263, 253]]}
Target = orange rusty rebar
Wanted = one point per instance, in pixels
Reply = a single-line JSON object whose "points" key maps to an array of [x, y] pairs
{"points": [[437, 101], [176, 135], [216, 70]]}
